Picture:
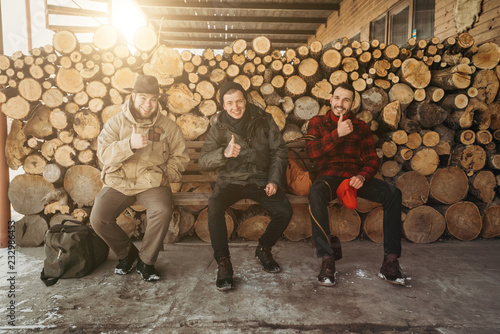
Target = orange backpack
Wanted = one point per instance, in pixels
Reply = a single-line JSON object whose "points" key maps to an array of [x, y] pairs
{"points": [[298, 180]]}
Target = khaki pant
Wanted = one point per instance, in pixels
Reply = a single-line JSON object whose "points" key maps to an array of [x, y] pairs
{"points": [[110, 203]]}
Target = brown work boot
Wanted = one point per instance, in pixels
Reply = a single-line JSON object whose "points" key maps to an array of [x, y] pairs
{"points": [[326, 276], [224, 274], [266, 259], [391, 271]]}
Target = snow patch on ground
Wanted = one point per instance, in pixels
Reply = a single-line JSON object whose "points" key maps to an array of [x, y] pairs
{"points": [[24, 264], [362, 274]]}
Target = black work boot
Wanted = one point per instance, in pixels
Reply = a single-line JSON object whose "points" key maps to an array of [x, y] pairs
{"points": [[147, 271], [266, 259], [326, 276], [126, 264], [224, 274]]}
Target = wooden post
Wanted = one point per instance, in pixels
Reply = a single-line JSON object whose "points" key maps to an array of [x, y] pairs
{"points": [[4, 171], [4, 185], [28, 24]]}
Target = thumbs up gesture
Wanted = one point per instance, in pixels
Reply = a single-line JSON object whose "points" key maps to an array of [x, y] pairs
{"points": [[232, 150], [344, 127], [138, 140]]}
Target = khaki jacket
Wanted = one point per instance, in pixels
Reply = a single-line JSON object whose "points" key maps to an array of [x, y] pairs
{"points": [[132, 171]]}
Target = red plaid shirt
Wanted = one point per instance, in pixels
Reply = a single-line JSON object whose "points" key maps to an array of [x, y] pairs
{"points": [[345, 156]]}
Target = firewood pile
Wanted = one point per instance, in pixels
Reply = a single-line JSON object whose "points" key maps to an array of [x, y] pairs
{"points": [[433, 106]]}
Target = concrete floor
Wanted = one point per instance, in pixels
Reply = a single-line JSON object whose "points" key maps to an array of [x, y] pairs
{"points": [[454, 288]]}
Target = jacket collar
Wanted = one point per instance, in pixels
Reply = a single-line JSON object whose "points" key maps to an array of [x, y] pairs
{"points": [[331, 116]]}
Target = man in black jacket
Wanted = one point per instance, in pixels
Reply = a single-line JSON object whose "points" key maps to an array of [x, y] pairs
{"points": [[247, 148]]}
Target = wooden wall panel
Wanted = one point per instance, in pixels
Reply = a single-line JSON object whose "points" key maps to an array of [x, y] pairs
{"points": [[355, 16]]}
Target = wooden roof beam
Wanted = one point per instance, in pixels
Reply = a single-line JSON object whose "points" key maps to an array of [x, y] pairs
{"points": [[243, 19], [167, 30], [217, 4], [227, 40], [60, 10]]}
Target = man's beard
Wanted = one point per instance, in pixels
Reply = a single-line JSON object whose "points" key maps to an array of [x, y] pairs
{"points": [[137, 115]]}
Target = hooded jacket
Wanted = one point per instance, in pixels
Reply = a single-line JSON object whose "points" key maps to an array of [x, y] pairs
{"points": [[132, 171], [263, 156]]}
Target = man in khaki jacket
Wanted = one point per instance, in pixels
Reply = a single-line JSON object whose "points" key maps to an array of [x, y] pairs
{"points": [[142, 151]]}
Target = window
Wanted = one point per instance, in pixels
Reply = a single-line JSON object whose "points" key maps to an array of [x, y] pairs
{"points": [[377, 29], [399, 25], [424, 19], [409, 18]]}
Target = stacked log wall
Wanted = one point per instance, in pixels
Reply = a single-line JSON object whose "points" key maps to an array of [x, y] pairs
{"points": [[433, 107]]}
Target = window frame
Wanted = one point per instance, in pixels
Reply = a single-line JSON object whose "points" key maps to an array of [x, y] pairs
{"points": [[393, 11]]}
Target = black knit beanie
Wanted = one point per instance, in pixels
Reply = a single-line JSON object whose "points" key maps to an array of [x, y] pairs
{"points": [[228, 86]]}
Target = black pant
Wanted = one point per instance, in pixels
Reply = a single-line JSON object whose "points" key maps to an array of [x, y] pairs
{"points": [[277, 205], [374, 190]]}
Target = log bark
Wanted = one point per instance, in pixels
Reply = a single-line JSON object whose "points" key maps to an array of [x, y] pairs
{"points": [[261, 45], [181, 100], [449, 185], [192, 126], [299, 227], [491, 222], [295, 86], [487, 85], [373, 225], [470, 158], [344, 223], [402, 93], [82, 183], [15, 150], [423, 224], [425, 161], [487, 56], [253, 222], [145, 39], [415, 73], [26, 191], [452, 78], [34, 164], [30, 231], [463, 221], [414, 188], [374, 99], [306, 108], [483, 186]]}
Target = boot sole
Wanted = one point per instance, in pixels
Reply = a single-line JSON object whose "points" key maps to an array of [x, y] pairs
{"points": [[121, 272], [150, 278], [326, 284], [398, 281]]}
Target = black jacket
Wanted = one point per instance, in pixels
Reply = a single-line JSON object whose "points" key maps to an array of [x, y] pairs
{"points": [[263, 157]]}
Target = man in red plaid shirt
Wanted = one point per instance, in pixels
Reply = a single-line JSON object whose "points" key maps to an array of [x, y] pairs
{"points": [[343, 149]]}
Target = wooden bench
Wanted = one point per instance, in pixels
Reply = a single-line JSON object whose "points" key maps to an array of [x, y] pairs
{"points": [[193, 175]]}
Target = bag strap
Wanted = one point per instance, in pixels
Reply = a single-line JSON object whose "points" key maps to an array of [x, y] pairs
{"points": [[333, 241], [49, 281]]}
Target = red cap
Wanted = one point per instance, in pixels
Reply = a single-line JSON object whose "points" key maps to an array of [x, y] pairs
{"points": [[347, 195]]}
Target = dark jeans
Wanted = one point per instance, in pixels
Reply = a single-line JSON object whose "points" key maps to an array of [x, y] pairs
{"points": [[374, 190], [277, 205]]}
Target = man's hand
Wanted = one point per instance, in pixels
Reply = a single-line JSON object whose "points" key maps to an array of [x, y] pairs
{"points": [[357, 181], [271, 189], [138, 140], [344, 127], [232, 150]]}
